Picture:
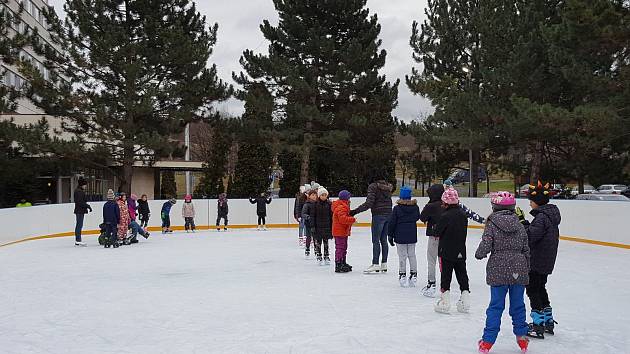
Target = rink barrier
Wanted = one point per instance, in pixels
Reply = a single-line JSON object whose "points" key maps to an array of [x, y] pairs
{"points": [[596, 223]]}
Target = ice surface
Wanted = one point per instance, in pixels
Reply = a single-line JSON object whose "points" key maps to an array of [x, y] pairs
{"points": [[253, 292]]}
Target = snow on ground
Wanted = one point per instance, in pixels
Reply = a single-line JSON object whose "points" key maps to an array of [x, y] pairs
{"points": [[253, 292]]}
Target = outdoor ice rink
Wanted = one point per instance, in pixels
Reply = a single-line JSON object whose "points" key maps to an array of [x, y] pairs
{"points": [[253, 292]]}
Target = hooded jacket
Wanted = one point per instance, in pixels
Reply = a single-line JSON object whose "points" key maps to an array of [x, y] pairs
{"points": [[544, 236], [143, 207], [111, 213], [342, 221], [379, 199], [433, 209], [308, 214], [80, 202], [261, 205], [505, 239], [323, 219], [452, 230], [402, 223], [300, 199]]}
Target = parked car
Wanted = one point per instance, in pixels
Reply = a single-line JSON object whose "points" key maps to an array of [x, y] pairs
{"points": [[626, 192], [611, 189], [463, 176], [603, 197], [588, 189]]}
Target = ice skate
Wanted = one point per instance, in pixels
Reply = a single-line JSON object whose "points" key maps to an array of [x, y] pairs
{"points": [[537, 327], [384, 267], [413, 279], [307, 252], [444, 304], [264, 228], [326, 260], [116, 245], [301, 241], [429, 290], [550, 323], [258, 228], [463, 305], [402, 279], [225, 229], [80, 244], [218, 229], [346, 264], [339, 268], [523, 343], [146, 234], [484, 347], [320, 260], [372, 269]]}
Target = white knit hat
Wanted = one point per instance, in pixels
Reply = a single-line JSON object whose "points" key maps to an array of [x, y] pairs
{"points": [[110, 195], [307, 187], [315, 185], [321, 191]]}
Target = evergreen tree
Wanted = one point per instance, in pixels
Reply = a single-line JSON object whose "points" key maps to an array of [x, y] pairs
{"points": [[334, 109], [11, 42], [168, 186], [133, 74], [212, 144]]}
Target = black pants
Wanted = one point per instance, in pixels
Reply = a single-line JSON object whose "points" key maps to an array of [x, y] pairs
{"points": [[189, 224], [261, 219], [318, 246], [111, 230], [447, 267], [144, 220], [225, 220], [536, 291]]}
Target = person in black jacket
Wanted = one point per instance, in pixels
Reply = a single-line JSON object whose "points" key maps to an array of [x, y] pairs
{"points": [[430, 215], [403, 233], [452, 230], [323, 225], [308, 218], [144, 213], [81, 207], [544, 236], [222, 211], [261, 210], [300, 199]]}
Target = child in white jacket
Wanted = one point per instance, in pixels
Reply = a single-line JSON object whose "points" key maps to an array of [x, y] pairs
{"points": [[188, 213]]}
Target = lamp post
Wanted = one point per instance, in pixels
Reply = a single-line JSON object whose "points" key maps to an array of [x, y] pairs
{"points": [[470, 151]]}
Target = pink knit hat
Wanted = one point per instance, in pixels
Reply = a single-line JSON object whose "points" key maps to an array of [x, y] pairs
{"points": [[503, 199], [134, 196], [450, 196]]}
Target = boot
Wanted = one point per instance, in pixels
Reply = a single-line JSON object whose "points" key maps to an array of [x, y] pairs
{"points": [[444, 304], [384, 267], [484, 347], [463, 305], [523, 343], [339, 268], [402, 279], [429, 290], [374, 268], [537, 327], [413, 279], [550, 323], [346, 264]]}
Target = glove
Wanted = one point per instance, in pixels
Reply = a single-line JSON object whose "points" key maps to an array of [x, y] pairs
{"points": [[520, 214], [391, 240], [352, 213], [89, 208]]}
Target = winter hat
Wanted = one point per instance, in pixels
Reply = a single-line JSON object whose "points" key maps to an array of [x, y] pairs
{"points": [[110, 195], [344, 195], [321, 191], [315, 185], [302, 189], [307, 187], [188, 198], [82, 182], [173, 201], [222, 196], [503, 201], [450, 197], [134, 196], [539, 194], [448, 183], [406, 193]]}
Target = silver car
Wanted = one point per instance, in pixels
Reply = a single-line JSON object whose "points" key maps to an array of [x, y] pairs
{"points": [[603, 197], [610, 189]]}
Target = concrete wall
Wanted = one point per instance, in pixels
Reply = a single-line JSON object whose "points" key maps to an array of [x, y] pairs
{"points": [[593, 220]]}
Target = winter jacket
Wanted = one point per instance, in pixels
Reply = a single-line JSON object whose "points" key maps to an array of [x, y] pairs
{"points": [[125, 219], [433, 210], [188, 210], [505, 239], [323, 219], [222, 208], [402, 223], [111, 213], [452, 230], [342, 221], [300, 199], [472, 215], [261, 205], [133, 207], [544, 236], [308, 214], [143, 207], [166, 207], [80, 202], [379, 199]]}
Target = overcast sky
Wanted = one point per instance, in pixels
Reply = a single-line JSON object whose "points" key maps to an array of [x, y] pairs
{"points": [[238, 29]]}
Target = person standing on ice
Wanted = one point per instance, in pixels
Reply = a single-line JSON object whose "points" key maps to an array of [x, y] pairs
{"points": [[507, 271], [544, 236], [222, 211], [308, 218], [470, 214], [81, 207], [379, 201], [341, 227], [430, 215], [111, 219], [165, 214], [452, 230], [300, 199], [144, 213], [188, 213], [261, 210], [323, 225], [125, 219], [403, 233]]}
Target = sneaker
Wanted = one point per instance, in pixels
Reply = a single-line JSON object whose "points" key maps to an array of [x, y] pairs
{"points": [[80, 244], [484, 347], [444, 303], [463, 305], [384, 267], [402, 279], [523, 343], [374, 268], [429, 290]]}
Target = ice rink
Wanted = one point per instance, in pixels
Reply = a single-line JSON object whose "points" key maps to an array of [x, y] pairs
{"points": [[253, 292]]}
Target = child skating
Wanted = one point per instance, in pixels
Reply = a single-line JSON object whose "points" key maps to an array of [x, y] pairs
{"points": [[125, 219], [222, 211], [111, 218], [188, 213], [403, 233], [431, 215], [144, 213], [300, 199], [341, 227], [166, 215], [323, 226], [261, 210], [452, 230], [507, 271], [308, 218]]}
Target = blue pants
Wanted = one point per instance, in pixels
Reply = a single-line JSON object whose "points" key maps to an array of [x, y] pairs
{"points": [[379, 238], [301, 231], [112, 232], [79, 227], [496, 307], [135, 229]]}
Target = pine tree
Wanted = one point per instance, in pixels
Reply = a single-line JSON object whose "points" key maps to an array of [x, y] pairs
{"points": [[212, 144], [168, 186], [133, 74], [334, 109]]}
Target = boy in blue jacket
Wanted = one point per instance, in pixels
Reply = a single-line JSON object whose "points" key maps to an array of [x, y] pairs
{"points": [[166, 215], [403, 233], [111, 218]]}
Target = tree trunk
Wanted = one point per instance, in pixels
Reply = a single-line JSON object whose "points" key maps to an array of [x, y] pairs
{"points": [[306, 154], [580, 184], [128, 160], [474, 173], [536, 163]]}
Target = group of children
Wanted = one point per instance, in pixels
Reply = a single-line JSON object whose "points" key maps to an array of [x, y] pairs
{"points": [[119, 217]]}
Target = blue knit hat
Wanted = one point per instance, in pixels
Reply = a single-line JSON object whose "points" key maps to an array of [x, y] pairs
{"points": [[448, 182], [406, 193], [344, 195]]}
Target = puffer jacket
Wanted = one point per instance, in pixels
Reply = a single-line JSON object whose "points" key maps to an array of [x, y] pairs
{"points": [[300, 199], [433, 209], [452, 230], [544, 236], [133, 207], [188, 210], [379, 199], [111, 213], [342, 221], [323, 219], [308, 214], [261, 205], [505, 239], [402, 223], [143, 207], [222, 207]]}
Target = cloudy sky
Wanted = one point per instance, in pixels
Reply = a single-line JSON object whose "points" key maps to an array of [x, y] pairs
{"points": [[238, 29]]}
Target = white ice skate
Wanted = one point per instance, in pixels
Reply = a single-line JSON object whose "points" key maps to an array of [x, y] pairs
{"points": [[258, 228], [429, 290], [402, 279], [264, 228], [383, 267], [372, 269], [413, 279], [444, 304], [80, 244], [326, 260], [463, 305]]}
